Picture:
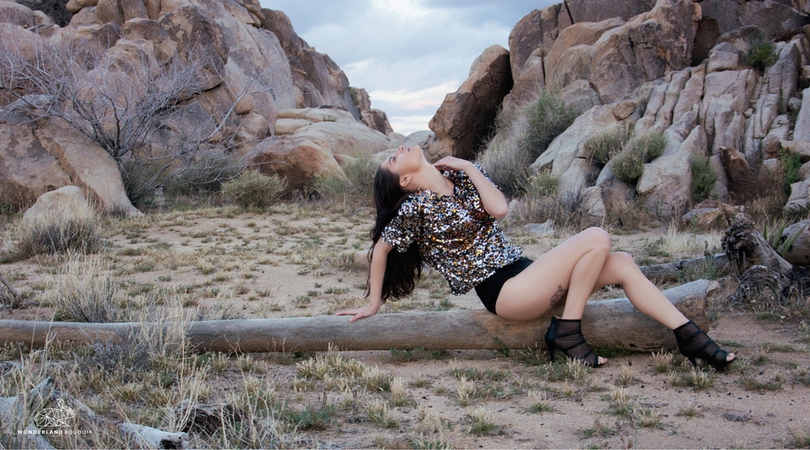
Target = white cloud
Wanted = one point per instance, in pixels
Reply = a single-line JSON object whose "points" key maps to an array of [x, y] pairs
{"points": [[408, 54]]}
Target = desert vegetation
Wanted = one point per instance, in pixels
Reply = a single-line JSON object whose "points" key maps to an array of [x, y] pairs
{"points": [[189, 260]]}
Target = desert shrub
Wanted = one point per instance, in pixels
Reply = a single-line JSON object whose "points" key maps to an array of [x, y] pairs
{"points": [[774, 232], [628, 165], [547, 118], [541, 184], [604, 146], [206, 174], [540, 203], [762, 56], [506, 158], [703, 178], [85, 292], [65, 231], [252, 189], [523, 135], [790, 163], [358, 185]]}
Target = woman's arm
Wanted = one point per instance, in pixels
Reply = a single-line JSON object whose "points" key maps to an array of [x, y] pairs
{"points": [[379, 258], [491, 197]]}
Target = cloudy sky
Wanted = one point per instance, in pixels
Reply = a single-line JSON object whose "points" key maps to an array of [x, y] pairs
{"points": [[406, 53]]}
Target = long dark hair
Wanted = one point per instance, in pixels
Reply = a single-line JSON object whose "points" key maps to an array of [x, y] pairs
{"points": [[402, 269]]}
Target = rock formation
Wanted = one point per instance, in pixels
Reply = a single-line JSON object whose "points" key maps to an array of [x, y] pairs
{"points": [[716, 77], [250, 68]]}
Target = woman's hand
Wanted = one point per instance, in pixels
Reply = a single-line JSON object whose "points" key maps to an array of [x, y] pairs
{"points": [[453, 163], [491, 197], [367, 311]]}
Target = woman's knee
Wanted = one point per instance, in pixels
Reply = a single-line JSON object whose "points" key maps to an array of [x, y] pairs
{"points": [[622, 265], [598, 238]]}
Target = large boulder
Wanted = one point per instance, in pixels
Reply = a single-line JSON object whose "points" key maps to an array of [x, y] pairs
{"points": [[17, 14], [28, 169], [647, 47], [465, 118], [88, 165], [64, 204], [316, 78], [580, 34], [351, 139], [295, 158], [535, 34], [333, 129]]}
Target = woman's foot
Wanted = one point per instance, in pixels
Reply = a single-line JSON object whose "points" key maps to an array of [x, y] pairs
{"points": [[694, 343], [566, 336]]}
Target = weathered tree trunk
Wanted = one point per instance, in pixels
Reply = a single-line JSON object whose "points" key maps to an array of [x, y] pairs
{"points": [[607, 322], [765, 278], [672, 271]]}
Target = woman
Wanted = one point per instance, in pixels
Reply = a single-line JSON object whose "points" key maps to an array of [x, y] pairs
{"points": [[445, 215]]}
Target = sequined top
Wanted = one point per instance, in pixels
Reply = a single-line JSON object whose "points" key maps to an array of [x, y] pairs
{"points": [[454, 233]]}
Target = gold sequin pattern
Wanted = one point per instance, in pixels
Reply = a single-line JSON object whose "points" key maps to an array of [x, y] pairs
{"points": [[454, 233]]}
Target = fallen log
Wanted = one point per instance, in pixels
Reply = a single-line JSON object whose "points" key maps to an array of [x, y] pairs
{"points": [[673, 271], [613, 323]]}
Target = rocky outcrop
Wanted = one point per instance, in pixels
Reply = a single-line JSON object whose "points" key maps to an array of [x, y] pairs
{"points": [[251, 66], [697, 71], [466, 117], [297, 159]]}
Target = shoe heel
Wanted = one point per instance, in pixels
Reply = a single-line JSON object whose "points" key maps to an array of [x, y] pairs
{"points": [[552, 349], [692, 360]]}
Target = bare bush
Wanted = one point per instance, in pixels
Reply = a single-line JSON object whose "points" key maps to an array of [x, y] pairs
{"points": [[132, 105]]}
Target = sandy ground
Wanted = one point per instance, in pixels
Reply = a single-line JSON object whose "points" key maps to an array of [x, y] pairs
{"points": [[289, 263]]}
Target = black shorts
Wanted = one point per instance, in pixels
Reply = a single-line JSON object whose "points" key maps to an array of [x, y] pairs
{"points": [[489, 289]]}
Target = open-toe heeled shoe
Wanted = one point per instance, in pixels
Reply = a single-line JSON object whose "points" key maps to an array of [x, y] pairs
{"points": [[694, 343], [566, 336]]}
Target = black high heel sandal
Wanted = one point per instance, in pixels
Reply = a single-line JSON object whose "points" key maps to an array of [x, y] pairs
{"points": [[565, 335], [694, 343]]}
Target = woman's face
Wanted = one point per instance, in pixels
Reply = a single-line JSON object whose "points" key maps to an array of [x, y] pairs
{"points": [[404, 160]]}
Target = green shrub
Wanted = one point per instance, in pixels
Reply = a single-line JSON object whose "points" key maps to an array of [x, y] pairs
{"points": [[206, 174], [523, 135], [791, 163], [603, 147], [762, 56], [358, 185], [252, 189], [629, 164], [703, 178], [547, 118]]}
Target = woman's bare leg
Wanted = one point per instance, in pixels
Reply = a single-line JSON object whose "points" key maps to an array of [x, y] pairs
{"points": [[620, 269], [570, 271], [578, 267]]}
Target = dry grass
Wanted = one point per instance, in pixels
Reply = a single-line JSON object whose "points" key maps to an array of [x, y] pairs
{"points": [[171, 268]]}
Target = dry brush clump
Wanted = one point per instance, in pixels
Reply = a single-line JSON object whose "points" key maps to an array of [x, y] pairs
{"points": [[523, 135], [75, 229]]}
